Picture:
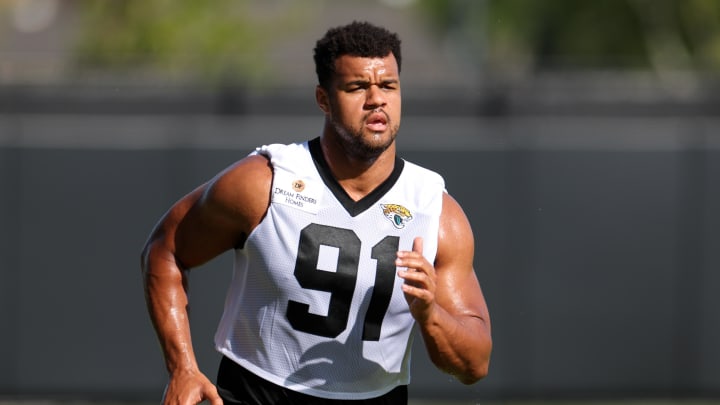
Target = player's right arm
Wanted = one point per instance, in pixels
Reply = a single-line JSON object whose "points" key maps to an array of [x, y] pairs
{"points": [[212, 219]]}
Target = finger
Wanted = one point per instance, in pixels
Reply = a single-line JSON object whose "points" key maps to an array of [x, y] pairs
{"points": [[417, 292], [412, 260], [214, 398], [410, 263], [413, 276], [418, 245]]}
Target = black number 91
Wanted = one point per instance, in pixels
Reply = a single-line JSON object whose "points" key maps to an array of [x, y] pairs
{"points": [[341, 283]]}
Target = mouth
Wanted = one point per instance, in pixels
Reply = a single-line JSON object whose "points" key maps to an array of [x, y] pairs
{"points": [[377, 122]]}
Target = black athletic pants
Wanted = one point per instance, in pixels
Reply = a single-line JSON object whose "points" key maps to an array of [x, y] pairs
{"points": [[237, 386]]}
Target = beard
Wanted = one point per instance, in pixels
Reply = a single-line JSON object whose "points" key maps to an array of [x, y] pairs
{"points": [[361, 143]]}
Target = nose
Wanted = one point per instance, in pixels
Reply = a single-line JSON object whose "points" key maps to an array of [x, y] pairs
{"points": [[375, 97]]}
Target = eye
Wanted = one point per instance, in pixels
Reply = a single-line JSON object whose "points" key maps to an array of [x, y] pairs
{"points": [[354, 87]]}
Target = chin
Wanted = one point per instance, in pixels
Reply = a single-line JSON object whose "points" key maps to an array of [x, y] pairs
{"points": [[366, 144], [380, 141]]}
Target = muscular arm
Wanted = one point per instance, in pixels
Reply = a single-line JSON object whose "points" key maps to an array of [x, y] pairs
{"points": [[446, 299], [212, 219]]}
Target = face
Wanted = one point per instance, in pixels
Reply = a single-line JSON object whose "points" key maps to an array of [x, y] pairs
{"points": [[363, 105]]}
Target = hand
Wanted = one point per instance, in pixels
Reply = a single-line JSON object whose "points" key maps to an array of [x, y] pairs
{"points": [[190, 388], [420, 277]]}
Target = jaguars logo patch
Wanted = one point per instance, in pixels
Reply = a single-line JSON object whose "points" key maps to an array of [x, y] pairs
{"points": [[397, 214]]}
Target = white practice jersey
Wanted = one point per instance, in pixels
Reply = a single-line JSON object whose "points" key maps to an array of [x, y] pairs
{"points": [[315, 303]]}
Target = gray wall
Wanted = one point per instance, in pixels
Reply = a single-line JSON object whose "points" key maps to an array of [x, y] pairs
{"points": [[597, 240]]}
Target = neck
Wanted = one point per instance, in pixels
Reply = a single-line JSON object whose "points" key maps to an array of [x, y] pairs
{"points": [[358, 176]]}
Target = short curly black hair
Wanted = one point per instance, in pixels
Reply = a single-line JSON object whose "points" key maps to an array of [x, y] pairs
{"points": [[355, 39]]}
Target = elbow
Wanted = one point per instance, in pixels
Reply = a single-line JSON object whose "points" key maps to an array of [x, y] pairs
{"points": [[475, 374], [467, 374], [477, 368]]}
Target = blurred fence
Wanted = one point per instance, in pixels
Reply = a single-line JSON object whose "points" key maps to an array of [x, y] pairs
{"points": [[596, 221]]}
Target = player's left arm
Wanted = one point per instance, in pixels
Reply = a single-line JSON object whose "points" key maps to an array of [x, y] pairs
{"points": [[446, 299]]}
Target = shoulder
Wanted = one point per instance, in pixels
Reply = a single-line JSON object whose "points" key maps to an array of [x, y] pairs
{"points": [[455, 236], [216, 216], [248, 172], [241, 189], [426, 176], [281, 154]]}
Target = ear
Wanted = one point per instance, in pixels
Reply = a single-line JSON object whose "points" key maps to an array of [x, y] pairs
{"points": [[322, 99]]}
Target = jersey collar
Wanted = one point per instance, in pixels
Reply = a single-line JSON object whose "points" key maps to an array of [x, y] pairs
{"points": [[353, 207]]}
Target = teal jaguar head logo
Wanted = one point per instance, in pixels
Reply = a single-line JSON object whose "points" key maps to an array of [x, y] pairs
{"points": [[397, 214]]}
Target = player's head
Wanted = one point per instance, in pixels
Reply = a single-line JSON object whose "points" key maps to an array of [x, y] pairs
{"points": [[355, 39]]}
